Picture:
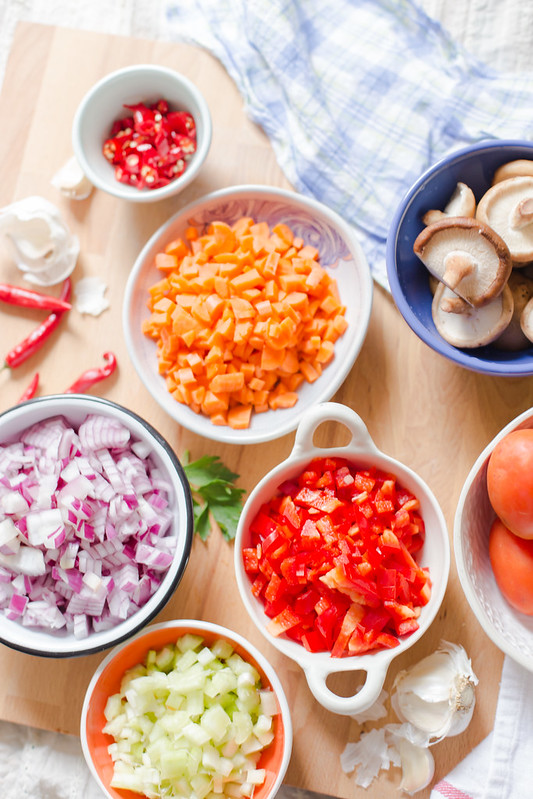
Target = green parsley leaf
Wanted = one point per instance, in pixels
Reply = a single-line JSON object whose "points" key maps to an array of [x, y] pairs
{"points": [[214, 495]]}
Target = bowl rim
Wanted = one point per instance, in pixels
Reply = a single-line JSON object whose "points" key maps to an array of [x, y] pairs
{"points": [[464, 358], [214, 629], [464, 577], [281, 426], [78, 649], [124, 191]]}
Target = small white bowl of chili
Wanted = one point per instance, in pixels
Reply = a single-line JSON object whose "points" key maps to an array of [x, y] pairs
{"points": [[383, 579], [142, 133]]}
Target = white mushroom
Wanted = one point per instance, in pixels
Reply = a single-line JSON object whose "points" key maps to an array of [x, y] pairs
{"points": [[508, 208], [513, 169], [476, 326], [461, 203], [513, 337], [467, 256]]}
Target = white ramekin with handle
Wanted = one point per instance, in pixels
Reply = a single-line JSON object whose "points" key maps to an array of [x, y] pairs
{"points": [[435, 556]]}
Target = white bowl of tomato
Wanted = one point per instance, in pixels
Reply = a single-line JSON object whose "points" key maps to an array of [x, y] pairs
{"points": [[493, 539], [342, 558], [142, 133]]}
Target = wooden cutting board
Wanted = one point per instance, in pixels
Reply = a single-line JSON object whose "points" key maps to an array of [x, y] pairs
{"points": [[418, 407]]}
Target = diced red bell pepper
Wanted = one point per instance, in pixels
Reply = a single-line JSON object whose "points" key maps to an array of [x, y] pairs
{"points": [[334, 538]]}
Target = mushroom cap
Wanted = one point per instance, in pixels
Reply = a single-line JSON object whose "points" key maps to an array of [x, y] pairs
{"points": [[526, 320], [507, 207], [461, 203], [477, 326], [513, 337], [467, 256], [513, 169]]}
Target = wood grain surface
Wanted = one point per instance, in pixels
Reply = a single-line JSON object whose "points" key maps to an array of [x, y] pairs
{"points": [[419, 408]]}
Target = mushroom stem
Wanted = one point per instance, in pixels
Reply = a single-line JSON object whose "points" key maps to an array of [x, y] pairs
{"points": [[457, 265], [522, 214], [454, 304]]}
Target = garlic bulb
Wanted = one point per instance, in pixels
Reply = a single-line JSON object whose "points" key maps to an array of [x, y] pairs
{"points": [[38, 240], [436, 696]]}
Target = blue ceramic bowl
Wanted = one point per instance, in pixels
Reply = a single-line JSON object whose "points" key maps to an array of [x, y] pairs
{"points": [[408, 277]]}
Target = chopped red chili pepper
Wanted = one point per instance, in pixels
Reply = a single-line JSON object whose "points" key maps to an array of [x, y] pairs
{"points": [[22, 351], [92, 376], [31, 390], [26, 298], [152, 146], [335, 570]]}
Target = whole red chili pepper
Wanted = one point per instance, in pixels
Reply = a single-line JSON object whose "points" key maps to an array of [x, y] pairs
{"points": [[30, 390], [37, 337], [26, 298], [92, 376]]}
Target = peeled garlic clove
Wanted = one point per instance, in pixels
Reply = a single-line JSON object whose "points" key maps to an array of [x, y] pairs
{"points": [[71, 181], [436, 695], [418, 766]]}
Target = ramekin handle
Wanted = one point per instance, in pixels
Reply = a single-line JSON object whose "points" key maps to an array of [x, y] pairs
{"points": [[347, 705], [331, 412]]}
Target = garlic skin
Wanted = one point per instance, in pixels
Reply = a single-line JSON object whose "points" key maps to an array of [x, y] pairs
{"points": [[436, 696], [72, 181], [39, 241], [89, 295]]}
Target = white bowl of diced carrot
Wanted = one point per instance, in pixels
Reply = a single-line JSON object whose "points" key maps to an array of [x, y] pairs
{"points": [[244, 309]]}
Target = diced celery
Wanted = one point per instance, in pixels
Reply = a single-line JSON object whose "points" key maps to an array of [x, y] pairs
{"points": [[190, 723], [174, 763], [165, 658], [256, 776], [206, 656], [113, 707], [221, 682], [196, 733], [239, 665], [222, 649], [189, 641], [194, 703], [201, 785], [215, 721]]}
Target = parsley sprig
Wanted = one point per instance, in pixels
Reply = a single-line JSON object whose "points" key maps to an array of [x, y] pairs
{"points": [[213, 495]]}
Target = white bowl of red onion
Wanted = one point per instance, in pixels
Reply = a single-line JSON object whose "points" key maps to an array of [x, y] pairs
{"points": [[96, 525]]}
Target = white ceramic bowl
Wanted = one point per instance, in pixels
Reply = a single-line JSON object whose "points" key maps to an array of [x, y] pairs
{"points": [[511, 631], [103, 104], [339, 252], [107, 678], [435, 555], [75, 408]]}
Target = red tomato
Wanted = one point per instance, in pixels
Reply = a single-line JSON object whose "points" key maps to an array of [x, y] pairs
{"points": [[511, 558], [510, 482]]}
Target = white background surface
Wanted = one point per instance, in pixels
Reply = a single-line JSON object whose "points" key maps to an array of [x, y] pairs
{"points": [[500, 33]]}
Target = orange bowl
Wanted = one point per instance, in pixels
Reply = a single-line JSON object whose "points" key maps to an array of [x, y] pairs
{"points": [[107, 679]]}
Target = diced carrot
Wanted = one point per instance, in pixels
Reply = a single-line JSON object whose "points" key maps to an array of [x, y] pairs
{"points": [[191, 234], [178, 248], [239, 417], [309, 252], [242, 317], [308, 371], [227, 383]]}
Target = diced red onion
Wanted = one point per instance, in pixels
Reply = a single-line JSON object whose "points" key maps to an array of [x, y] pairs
{"points": [[84, 522]]}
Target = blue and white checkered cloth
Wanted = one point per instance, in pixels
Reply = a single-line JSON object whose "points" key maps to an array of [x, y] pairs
{"points": [[358, 97]]}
